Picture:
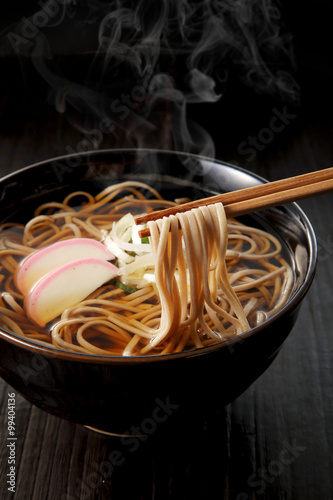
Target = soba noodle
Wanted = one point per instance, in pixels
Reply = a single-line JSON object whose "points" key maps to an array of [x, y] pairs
{"points": [[209, 281]]}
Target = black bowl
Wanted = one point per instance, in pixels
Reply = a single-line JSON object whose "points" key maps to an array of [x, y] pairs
{"points": [[136, 394]]}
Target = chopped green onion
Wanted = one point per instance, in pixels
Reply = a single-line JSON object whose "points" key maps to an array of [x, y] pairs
{"points": [[145, 240], [124, 287]]}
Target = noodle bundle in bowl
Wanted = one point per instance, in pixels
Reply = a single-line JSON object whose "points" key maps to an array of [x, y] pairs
{"points": [[200, 280], [99, 326]]}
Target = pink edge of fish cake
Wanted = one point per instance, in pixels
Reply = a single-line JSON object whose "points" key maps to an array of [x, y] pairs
{"points": [[65, 287], [49, 258]]}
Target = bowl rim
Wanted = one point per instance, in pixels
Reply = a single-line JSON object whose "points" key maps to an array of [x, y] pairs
{"points": [[55, 352]]}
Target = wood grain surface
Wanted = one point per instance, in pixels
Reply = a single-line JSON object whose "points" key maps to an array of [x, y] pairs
{"points": [[276, 440]]}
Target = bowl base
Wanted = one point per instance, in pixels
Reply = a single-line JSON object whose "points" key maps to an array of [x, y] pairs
{"points": [[113, 434]]}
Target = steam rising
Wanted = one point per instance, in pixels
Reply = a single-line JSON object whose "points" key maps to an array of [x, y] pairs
{"points": [[151, 60]]}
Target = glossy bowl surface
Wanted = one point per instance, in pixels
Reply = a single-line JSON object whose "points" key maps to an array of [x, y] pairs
{"points": [[134, 395]]}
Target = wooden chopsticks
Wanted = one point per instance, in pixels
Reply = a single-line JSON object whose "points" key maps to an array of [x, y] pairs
{"points": [[252, 199]]}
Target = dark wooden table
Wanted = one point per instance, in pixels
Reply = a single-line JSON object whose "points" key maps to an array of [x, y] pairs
{"points": [[276, 440]]}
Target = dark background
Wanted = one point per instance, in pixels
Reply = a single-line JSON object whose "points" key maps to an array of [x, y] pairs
{"points": [[276, 440]]}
